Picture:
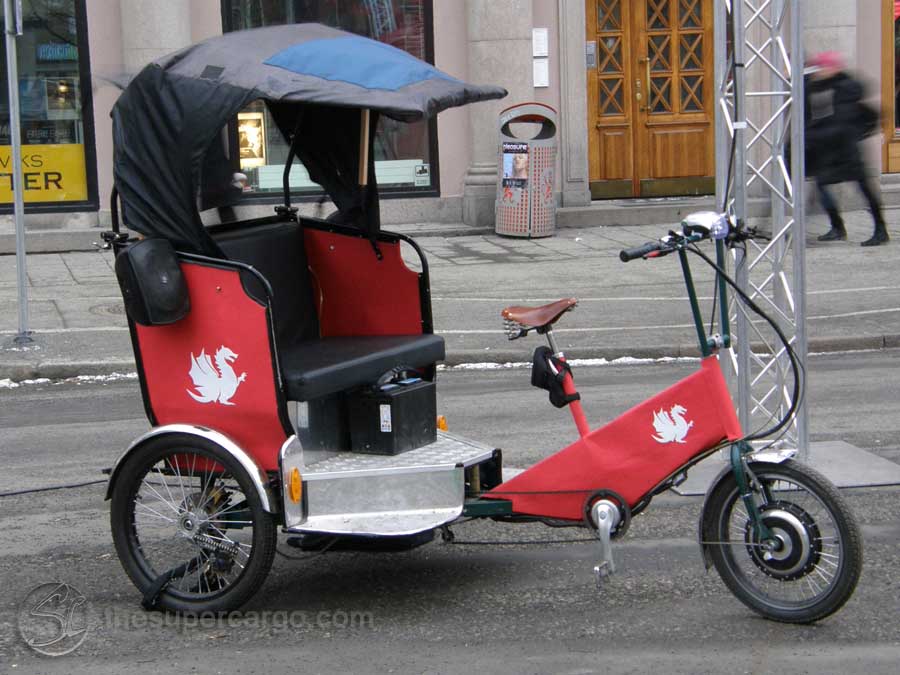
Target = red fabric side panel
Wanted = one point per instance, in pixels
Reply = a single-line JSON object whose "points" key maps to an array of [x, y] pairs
{"points": [[719, 389], [222, 318], [357, 294], [631, 454]]}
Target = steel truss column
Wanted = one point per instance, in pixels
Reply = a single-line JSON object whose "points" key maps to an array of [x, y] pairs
{"points": [[759, 76]]}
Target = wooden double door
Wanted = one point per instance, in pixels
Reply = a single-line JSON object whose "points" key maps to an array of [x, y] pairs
{"points": [[651, 98]]}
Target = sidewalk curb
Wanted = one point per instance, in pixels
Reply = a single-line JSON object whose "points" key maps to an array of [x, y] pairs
{"points": [[59, 369], [63, 370]]}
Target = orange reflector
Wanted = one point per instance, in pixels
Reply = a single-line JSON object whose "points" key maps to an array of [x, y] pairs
{"points": [[442, 423], [295, 489]]}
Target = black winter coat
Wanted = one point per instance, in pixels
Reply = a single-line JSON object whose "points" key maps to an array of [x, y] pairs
{"points": [[834, 129]]}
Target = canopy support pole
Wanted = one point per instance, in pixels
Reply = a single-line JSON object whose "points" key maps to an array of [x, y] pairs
{"points": [[364, 115], [364, 121]]}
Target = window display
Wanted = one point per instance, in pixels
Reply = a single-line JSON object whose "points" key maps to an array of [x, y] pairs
{"points": [[50, 101], [405, 156]]}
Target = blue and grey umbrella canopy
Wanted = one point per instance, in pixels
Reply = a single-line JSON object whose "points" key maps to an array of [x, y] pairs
{"points": [[314, 80]]}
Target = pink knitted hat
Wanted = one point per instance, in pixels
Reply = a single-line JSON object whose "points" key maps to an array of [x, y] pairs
{"points": [[832, 60]]}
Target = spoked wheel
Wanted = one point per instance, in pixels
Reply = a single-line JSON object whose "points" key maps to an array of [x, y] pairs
{"points": [[810, 567], [189, 526]]}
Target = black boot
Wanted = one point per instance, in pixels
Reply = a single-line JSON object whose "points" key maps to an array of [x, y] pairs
{"points": [[837, 231], [880, 236]]}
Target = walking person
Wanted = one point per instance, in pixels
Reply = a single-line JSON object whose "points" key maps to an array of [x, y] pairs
{"points": [[836, 121]]}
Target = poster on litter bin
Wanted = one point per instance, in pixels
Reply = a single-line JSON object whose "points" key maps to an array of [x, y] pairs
{"points": [[515, 165]]}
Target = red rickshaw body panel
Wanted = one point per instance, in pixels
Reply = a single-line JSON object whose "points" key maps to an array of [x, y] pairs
{"points": [[355, 293], [632, 454], [214, 368]]}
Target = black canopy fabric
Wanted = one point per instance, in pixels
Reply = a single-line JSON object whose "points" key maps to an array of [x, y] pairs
{"points": [[173, 111]]}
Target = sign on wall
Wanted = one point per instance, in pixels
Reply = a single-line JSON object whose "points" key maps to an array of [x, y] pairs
{"points": [[52, 173]]}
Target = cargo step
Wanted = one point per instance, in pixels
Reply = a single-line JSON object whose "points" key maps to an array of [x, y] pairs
{"points": [[390, 495]]}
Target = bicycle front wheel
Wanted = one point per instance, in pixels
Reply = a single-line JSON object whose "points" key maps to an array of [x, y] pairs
{"points": [[811, 566]]}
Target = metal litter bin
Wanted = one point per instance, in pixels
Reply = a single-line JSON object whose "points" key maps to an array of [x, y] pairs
{"points": [[526, 199]]}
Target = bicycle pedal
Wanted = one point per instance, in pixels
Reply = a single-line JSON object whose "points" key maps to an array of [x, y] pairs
{"points": [[602, 572]]}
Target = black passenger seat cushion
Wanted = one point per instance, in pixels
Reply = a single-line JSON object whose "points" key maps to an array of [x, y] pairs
{"points": [[329, 365]]}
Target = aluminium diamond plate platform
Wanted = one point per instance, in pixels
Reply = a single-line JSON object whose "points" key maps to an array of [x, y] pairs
{"points": [[447, 451], [389, 495]]}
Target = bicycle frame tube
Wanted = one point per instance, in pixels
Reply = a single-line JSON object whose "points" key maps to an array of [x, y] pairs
{"points": [[568, 384], [724, 320], [705, 346], [575, 406], [708, 345]]}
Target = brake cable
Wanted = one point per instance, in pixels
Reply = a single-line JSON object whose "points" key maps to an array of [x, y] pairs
{"points": [[796, 367]]}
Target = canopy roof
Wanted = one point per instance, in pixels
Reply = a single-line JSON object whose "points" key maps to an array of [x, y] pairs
{"points": [[314, 79]]}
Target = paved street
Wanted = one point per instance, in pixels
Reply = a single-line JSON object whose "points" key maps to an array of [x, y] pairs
{"points": [[450, 608]]}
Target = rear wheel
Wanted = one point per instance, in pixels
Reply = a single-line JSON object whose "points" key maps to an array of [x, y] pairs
{"points": [[810, 567], [189, 527]]}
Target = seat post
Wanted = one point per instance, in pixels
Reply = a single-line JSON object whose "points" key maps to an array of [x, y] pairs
{"points": [[553, 347]]}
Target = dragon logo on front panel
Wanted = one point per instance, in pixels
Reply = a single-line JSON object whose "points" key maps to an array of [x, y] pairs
{"points": [[671, 426], [215, 383]]}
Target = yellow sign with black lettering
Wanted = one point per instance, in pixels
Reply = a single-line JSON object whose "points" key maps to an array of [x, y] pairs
{"points": [[51, 173]]}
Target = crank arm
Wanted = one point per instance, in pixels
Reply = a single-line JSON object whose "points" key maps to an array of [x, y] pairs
{"points": [[606, 516]]}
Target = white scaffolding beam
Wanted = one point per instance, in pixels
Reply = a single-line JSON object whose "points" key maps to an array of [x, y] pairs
{"points": [[759, 157]]}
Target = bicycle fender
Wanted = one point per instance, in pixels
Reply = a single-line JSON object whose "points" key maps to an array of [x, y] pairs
{"points": [[258, 477]]}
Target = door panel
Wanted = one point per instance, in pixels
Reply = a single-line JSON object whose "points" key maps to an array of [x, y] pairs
{"points": [[610, 99], [676, 153], [651, 97]]}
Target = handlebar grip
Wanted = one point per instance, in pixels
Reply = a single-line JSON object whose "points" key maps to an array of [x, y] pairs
{"points": [[628, 254]]}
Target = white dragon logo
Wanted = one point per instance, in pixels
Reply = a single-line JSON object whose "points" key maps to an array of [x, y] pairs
{"points": [[671, 426], [214, 385]]}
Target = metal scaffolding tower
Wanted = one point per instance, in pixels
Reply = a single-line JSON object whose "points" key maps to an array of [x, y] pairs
{"points": [[759, 131], [381, 16]]}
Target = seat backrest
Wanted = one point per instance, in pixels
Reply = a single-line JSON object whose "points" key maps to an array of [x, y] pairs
{"points": [[277, 252]]}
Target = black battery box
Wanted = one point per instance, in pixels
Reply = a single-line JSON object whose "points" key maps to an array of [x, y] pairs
{"points": [[391, 418]]}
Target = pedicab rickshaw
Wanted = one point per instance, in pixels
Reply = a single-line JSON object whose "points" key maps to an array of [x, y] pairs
{"points": [[288, 363]]}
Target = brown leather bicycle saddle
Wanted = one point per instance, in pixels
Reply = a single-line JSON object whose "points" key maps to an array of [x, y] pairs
{"points": [[539, 317]]}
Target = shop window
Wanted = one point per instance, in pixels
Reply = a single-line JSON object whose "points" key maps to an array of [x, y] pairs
{"points": [[55, 109], [405, 154]]}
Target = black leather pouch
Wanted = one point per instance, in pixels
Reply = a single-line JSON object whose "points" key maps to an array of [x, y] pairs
{"points": [[153, 287], [543, 377]]}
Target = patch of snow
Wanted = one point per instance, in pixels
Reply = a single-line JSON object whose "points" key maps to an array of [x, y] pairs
{"points": [[79, 379], [25, 348], [485, 366], [40, 380], [92, 379], [622, 361]]}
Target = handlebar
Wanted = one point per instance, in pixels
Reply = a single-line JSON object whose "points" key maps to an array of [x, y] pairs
{"points": [[673, 242], [642, 251]]}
